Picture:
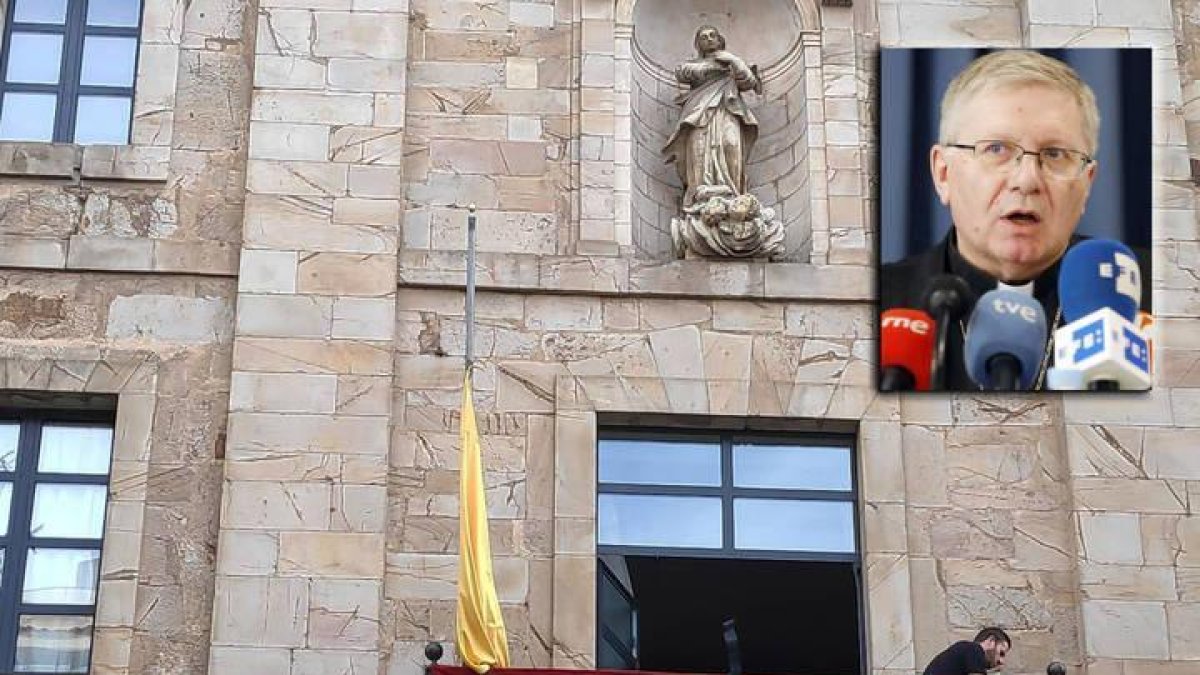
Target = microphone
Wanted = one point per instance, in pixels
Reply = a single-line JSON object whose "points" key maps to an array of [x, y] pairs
{"points": [[1099, 287], [1005, 339], [947, 298], [905, 350], [1099, 273], [1056, 668]]}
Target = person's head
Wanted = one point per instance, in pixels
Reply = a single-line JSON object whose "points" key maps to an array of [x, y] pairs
{"points": [[995, 643], [1014, 214], [708, 40]]}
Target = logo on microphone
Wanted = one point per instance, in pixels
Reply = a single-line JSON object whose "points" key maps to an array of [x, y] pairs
{"points": [[1089, 340], [1125, 276], [1027, 313], [917, 326]]}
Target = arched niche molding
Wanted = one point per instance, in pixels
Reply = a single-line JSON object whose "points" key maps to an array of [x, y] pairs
{"points": [[807, 11], [781, 37]]}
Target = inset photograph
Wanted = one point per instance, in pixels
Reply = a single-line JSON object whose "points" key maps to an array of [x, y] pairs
{"points": [[1014, 225]]}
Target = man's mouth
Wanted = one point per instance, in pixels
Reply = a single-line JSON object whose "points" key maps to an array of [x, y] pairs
{"points": [[1022, 217]]}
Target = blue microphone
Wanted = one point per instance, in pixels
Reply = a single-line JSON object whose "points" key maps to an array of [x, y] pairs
{"points": [[1099, 289], [1099, 273], [1005, 340]]}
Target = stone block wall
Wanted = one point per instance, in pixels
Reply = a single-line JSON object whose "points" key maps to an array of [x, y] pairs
{"points": [[117, 268]]}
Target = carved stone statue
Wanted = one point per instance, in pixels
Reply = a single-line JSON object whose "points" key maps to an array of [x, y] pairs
{"points": [[710, 146]]}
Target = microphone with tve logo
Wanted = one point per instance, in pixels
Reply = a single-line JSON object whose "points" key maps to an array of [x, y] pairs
{"points": [[906, 339], [1005, 341], [1099, 288]]}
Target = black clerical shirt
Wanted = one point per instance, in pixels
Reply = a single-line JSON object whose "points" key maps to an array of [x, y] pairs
{"points": [[903, 284]]}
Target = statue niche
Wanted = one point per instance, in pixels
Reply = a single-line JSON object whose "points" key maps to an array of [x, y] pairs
{"points": [[710, 147]]}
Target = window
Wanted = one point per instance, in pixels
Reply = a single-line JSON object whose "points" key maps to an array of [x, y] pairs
{"points": [[54, 471], [696, 529], [68, 70]]}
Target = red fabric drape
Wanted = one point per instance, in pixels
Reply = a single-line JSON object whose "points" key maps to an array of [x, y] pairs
{"points": [[463, 670]]}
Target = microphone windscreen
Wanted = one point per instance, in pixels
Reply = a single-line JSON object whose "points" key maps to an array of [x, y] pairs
{"points": [[1005, 322], [906, 338], [947, 293], [1099, 273]]}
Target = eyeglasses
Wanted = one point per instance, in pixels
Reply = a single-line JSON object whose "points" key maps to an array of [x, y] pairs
{"points": [[1059, 163]]}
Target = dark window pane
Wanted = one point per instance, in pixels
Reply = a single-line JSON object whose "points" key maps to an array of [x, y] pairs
{"points": [[652, 520], [113, 12], [795, 467], [34, 58], [61, 576], [27, 117], [102, 119], [75, 448], [615, 611], [10, 432], [5, 506], [40, 11], [54, 644], [108, 61], [781, 525], [659, 462], [68, 511]]}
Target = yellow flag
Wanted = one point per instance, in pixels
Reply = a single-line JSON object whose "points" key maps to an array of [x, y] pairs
{"points": [[479, 628]]}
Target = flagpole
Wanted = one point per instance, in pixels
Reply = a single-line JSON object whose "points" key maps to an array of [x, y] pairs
{"points": [[470, 302], [478, 622]]}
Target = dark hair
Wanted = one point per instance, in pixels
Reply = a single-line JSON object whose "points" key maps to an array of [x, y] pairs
{"points": [[701, 29], [993, 632]]}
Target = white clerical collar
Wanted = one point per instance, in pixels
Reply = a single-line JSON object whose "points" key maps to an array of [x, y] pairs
{"points": [[1026, 288]]}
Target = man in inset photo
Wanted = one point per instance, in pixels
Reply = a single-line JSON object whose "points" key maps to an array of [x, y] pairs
{"points": [[976, 253]]}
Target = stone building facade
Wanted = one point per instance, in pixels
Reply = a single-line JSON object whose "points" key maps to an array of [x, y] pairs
{"points": [[269, 279]]}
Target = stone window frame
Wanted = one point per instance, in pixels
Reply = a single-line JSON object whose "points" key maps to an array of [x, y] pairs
{"points": [[133, 377], [887, 608], [147, 156], [605, 138]]}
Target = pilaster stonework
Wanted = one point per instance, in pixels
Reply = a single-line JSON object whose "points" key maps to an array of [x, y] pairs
{"points": [[301, 552]]}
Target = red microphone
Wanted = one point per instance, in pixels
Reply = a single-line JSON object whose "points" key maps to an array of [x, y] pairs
{"points": [[906, 341]]}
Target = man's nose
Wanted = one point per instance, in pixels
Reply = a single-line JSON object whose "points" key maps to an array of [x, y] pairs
{"points": [[1026, 176]]}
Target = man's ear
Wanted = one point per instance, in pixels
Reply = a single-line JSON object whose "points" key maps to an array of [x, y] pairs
{"points": [[940, 172]]}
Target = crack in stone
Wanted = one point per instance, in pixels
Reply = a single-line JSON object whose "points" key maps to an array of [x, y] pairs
{"points": [[305, 180], [1006, 414], [529, 385], [476, 101], [1115, 444], [146, 612], [1183, 501], [1041, 542], [342, 405], [308, 204], [291, 499], [274, 35]]}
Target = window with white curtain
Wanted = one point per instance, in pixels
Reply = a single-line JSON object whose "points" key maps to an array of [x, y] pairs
{"points": [[54, 474]]}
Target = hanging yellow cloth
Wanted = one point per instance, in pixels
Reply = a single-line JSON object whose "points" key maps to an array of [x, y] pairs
{"points": [[479, 628]]}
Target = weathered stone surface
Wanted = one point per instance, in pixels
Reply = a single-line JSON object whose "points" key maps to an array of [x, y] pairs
{"points": [[260, 612], [1013, 608], [170, 319], [972, 534], [1111, 538], [1120, 629], [330, 554]]}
